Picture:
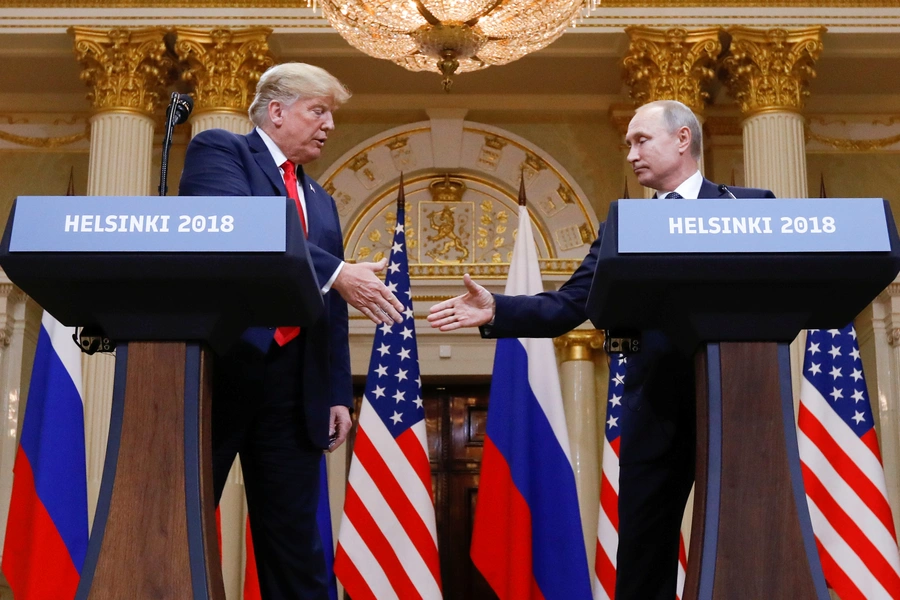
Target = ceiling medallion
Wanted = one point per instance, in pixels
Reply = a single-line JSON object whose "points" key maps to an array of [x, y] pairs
{"points": [[452, 36]]}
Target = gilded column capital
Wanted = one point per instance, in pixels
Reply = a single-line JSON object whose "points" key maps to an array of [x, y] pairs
{"points": [[671, 64], [223, 65], [578, 344], [125, 68], [770, 69]]}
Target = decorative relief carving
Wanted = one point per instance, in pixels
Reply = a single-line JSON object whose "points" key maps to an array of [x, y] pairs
{"points": [[367, 172], [43, 142], [402, 154], [771, 69], [491, 152], [125, 68], [223, 65], [568, 237], [853, 145], [671, 64], [493, 239], [893, 336], [381, 239], [531, 167], [446, 231]]}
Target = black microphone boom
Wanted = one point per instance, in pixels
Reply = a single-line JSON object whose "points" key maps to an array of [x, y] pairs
{"points": [[723, 189], [179, 110]]}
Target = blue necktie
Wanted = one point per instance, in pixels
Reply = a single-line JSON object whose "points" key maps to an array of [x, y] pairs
{"points": [[674, 196]]}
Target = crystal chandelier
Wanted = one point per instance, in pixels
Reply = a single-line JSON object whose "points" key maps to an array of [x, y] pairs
{"points": [[452, 36]]}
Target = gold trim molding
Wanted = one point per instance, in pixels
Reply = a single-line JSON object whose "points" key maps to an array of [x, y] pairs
{"points": [[853, 145], [41, 142], [307, 4]]}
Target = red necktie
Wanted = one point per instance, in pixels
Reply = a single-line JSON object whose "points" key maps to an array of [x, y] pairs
{"points": [[285, 334]]}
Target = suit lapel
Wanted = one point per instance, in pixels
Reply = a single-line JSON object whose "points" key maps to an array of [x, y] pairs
{"points": [[709, 190], [264, 161], [314, 218]]}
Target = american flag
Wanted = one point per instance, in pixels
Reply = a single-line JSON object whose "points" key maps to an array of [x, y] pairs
{"points": [[604, 576], [387, 545], [842, 470]]}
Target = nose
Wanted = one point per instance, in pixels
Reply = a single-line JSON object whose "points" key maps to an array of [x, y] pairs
{"points": [[328, 124], [632, 154]]}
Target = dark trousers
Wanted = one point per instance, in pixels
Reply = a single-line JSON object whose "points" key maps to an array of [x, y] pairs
{"points": [[258, 414]]}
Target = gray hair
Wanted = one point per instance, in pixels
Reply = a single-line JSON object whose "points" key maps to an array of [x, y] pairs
{"points": [[677, 115], [289, 82]]}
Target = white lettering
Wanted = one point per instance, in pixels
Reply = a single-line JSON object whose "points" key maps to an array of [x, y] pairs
{"points": [[754, 225], [740, 224], [110, 223], [136, 224], [701, 227], [72, 223], [766, 224], [151, 222], [87, 222], [675, 224], [690, 224], [714, 226], [165, 224]]}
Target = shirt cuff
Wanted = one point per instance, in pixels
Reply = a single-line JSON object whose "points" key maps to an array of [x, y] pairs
{"points": [[334, 276]]}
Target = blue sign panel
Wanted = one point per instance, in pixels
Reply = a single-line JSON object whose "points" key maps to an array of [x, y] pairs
{"points": [[148, 224], [757, 225]]}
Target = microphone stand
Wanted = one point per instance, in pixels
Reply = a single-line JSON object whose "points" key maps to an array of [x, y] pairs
{"points": [[167, 143]]}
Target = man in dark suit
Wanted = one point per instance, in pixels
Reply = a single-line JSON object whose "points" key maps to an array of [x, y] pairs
{"points": [[283, 395], [656, 463]]}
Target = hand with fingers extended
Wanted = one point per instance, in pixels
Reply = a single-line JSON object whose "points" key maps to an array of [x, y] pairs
{"points": [[472, 309], [358, 285]]}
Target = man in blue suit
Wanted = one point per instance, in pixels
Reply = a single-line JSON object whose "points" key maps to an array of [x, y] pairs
{"points": [[283, 395], [656, 462]]}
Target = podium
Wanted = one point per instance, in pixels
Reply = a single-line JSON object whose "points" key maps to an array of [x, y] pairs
{"points": [[165, 295], [736, 310]]}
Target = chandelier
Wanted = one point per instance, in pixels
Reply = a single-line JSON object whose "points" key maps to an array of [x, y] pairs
{"points": [[452, 36]]}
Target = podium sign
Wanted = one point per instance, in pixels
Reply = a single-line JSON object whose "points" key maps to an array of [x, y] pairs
{"points": [[164, 278], [755, 225], [736, 300]]}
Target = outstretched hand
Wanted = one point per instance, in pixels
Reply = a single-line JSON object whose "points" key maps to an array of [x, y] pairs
{"points": [[358, 285], [472, 309]]}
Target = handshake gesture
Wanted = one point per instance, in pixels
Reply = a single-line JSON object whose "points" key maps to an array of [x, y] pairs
{"points": [[472, 309]]}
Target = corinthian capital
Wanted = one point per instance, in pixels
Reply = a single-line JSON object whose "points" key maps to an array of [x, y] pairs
{"points": [[125, 68], [223, 64], [579, 344], [672, 64], [771, 69]]}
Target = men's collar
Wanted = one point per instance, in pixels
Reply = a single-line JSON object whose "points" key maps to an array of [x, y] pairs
{"points": [[689, 188], [274, 150]]}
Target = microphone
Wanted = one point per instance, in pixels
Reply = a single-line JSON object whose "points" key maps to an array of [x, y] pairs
{"points": [[182, 104], [180, 107], [723, 189]]}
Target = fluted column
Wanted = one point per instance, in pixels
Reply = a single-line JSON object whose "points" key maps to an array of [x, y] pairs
{"points": [[879, 334], [126, 71], [671, 64], [13, 304], [580, 402], [223, 65], [768, 73]]}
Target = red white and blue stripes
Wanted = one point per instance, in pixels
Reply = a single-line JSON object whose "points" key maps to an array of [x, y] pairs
{"points": [[47, 528], [527, 539]]}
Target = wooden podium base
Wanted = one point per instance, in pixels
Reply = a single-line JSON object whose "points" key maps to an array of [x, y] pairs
{"points": [[154, 533], [751, 535]]}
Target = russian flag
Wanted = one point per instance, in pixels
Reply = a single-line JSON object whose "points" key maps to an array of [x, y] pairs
{"points": [[527, 540], [47, 527]]}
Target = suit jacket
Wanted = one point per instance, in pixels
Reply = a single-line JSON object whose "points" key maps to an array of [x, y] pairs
{"points": [[659, 382], [220, 163]]}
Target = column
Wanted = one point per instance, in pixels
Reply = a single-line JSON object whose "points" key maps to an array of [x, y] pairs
{"points": [[768, 73], [126, 71], [580, 400], [671, 64], [879, 339], [223, 66]]}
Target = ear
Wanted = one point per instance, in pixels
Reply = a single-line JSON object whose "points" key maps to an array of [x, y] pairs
{"points": [[684, 140], [276, 113]]}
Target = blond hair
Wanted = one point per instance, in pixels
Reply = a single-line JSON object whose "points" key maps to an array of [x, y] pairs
{"points": [[289, 82]]}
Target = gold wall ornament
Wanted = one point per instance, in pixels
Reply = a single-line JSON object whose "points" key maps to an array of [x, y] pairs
{"points": [[452, 36], [43, 142], [771, 69], [125, 68], [853, 145], [579, 344], [447, 189], [672, 64], [223, 65]]}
